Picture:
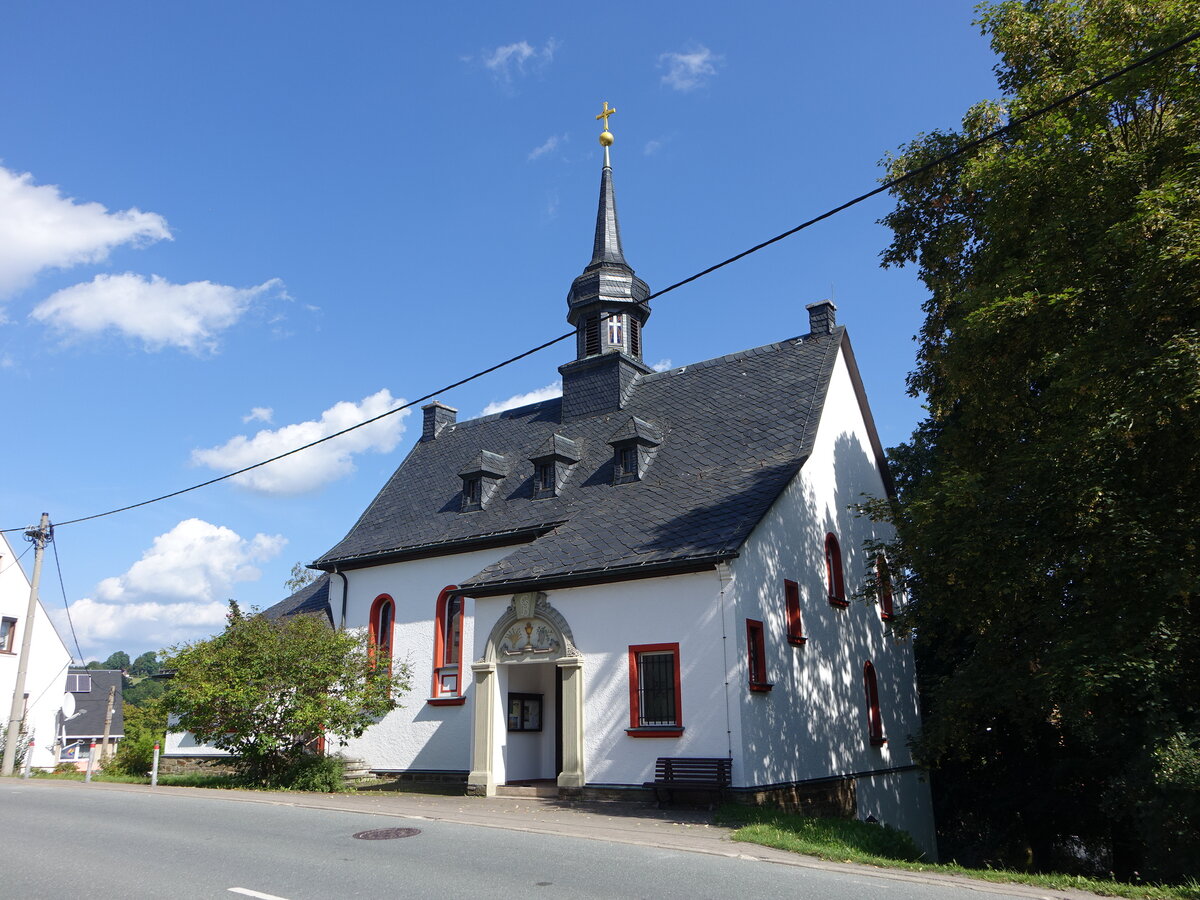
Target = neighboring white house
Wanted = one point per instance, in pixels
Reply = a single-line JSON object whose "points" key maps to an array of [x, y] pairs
{"points": [[49, 659], [658, 564]]}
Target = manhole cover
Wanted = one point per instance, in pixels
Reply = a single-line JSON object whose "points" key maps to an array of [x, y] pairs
{"points": [[387, 834]]}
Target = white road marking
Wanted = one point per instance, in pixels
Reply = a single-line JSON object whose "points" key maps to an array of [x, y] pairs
{"points": [[259, 894]]}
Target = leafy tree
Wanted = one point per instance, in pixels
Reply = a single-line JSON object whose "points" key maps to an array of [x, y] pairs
{"points": [[145, 725], [118, 660], [1050, 502], [301, 575], [146, 664], [145, 690], [264, 689]]}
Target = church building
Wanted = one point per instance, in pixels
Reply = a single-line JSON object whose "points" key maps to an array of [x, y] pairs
{"points": [[656, 564]]}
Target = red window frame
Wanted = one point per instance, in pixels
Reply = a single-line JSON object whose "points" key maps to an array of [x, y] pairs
{"points": [[380, 646], [791, 602], [835, 583], [874, 718], [447, 662], [636, 729], [756, 657], [884, 577]]}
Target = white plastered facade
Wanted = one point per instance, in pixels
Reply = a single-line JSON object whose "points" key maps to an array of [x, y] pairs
{"points": [[810, 725], [49, 659]]}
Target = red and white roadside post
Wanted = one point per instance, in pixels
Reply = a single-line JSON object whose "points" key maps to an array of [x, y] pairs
{"points": [[91, 761], [154, 770]]}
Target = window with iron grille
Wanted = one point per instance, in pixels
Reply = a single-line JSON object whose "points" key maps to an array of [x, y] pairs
{"points": [[654, 690]]}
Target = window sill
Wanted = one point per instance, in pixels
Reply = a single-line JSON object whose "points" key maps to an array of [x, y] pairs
{"points": [[839, 602], [878, 742], [446, 701], [796, 641], [655, 731], [761, 687]]}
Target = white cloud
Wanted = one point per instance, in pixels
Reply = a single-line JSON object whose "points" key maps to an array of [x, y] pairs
{"points": [[42, 229], [155, 311], [652, 147], [316, 466], [548, 146], [260, 414], [687, 71], [549, 392], [514, 59], [662, 365], [177, 590]]}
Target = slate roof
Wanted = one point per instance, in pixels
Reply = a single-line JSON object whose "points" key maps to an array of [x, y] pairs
{"points": [[92, 705], [734, 430], [312, 599]]}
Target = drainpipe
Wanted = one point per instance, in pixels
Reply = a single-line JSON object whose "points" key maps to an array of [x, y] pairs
{"points": [[724, 576], [345, 595]]}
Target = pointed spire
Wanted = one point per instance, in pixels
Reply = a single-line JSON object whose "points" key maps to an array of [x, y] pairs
{"points": [[607, 286], [607, 246]]}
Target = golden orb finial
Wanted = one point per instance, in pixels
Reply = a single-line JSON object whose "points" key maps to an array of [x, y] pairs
{"points": [[606, 137]]}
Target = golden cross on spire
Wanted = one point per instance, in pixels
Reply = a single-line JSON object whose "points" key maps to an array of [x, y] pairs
{"points": [[606, 137], [604, 115]]}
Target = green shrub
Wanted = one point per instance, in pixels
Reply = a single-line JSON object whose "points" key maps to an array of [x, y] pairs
{"points": [[316, 773]]}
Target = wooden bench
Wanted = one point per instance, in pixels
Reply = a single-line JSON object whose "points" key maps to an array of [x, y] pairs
{"points": [[695, 774]]}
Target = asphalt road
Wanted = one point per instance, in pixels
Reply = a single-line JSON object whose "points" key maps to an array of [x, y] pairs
{"points": [[74, 841]]}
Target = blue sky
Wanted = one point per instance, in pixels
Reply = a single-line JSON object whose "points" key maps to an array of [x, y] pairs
{"points": [[227, 228]]}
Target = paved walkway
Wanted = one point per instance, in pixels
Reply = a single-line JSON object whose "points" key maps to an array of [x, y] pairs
{"points": [[626, 823]]}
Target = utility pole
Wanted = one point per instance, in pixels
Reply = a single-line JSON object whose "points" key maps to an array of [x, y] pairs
{"points": [[108, 714], [40, 536]]}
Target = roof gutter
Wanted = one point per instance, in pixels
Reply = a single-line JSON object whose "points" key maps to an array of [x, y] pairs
{"points": [[605, 575]]}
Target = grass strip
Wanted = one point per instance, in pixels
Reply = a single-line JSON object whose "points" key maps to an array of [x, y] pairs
{"points": [[843, 840]]}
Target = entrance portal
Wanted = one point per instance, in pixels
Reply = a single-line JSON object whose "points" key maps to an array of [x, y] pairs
{"points": [[528, 700]]}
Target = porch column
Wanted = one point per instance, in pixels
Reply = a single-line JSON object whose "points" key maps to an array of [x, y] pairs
{"points": [[481, 781], [571, 775]]}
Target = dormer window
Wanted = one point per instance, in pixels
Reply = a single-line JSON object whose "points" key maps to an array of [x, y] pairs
{"points": [[481, 479], [627, 464], [471, 493], [634, 444], [552, 465]]}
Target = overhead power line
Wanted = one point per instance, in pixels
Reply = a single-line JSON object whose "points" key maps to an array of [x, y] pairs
{"points": [[885, 186]]}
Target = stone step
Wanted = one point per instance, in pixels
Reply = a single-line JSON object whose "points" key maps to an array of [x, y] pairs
{"points": [[544, 791]]}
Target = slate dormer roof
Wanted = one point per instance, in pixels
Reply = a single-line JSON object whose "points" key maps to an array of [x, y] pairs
{"points": [[733, 430], [312, 599]]}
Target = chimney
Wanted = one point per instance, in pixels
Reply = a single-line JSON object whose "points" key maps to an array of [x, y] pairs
{"points": [[437, 416], [821, 317]]}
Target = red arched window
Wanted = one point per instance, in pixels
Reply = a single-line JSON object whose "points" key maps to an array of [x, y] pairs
{"points": [[874, 719], [379, 628], [885, 587], [835, 584], [448, 647]]}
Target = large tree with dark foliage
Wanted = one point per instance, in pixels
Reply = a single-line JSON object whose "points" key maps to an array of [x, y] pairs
{"points": [[1049, 506]]}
